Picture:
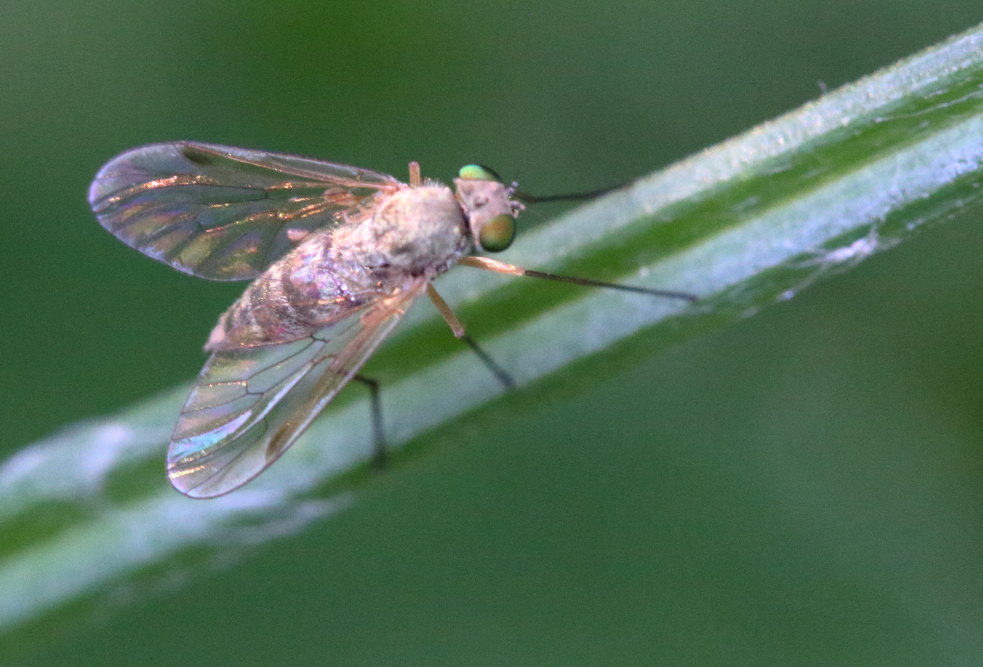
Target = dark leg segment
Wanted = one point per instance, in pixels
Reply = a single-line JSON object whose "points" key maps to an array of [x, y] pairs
{"points": [[489, 363], [378, 432]]}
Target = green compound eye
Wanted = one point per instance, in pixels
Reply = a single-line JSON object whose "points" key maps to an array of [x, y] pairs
{"points": [[475, 172], [496, 235]]}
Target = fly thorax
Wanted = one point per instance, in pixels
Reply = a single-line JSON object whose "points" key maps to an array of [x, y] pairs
{"points": [[416, 230]]}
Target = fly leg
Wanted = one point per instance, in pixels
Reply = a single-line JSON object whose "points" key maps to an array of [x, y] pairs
{"points": [[378, 432], [458, 329], [489, 264]]}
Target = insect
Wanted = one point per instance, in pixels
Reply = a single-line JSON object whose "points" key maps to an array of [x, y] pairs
{"points": [[336, 253]]}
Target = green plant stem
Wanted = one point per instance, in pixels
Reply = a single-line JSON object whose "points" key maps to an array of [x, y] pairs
{"points": [[742, 224]]}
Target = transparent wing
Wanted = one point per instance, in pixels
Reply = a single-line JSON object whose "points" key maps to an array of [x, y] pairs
{"points": [[250, 404], [220, 212]]}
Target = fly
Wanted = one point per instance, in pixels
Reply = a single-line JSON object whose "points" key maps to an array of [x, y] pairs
{"points": [[336, 255]]}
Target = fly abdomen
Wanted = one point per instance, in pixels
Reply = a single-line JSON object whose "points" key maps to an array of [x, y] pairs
{"points": [[311, 287]]}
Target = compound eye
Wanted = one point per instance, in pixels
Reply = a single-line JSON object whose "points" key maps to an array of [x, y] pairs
{"points": [[497, 234], [476, 172]]}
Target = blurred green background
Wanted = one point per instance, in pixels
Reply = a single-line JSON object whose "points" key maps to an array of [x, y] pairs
{"points": [[801, 488]]}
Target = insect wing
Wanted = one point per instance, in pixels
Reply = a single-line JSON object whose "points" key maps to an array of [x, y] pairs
{"points": [[225, 213], [250, 404]]}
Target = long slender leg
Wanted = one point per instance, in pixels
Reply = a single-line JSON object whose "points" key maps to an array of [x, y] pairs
{"points": [[458, 329], [378, 432], [500, 374], [489, 264], [445, 311]]}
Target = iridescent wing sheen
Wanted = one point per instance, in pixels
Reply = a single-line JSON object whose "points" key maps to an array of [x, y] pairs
{"points": [[225, 213], [250, 404]]}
